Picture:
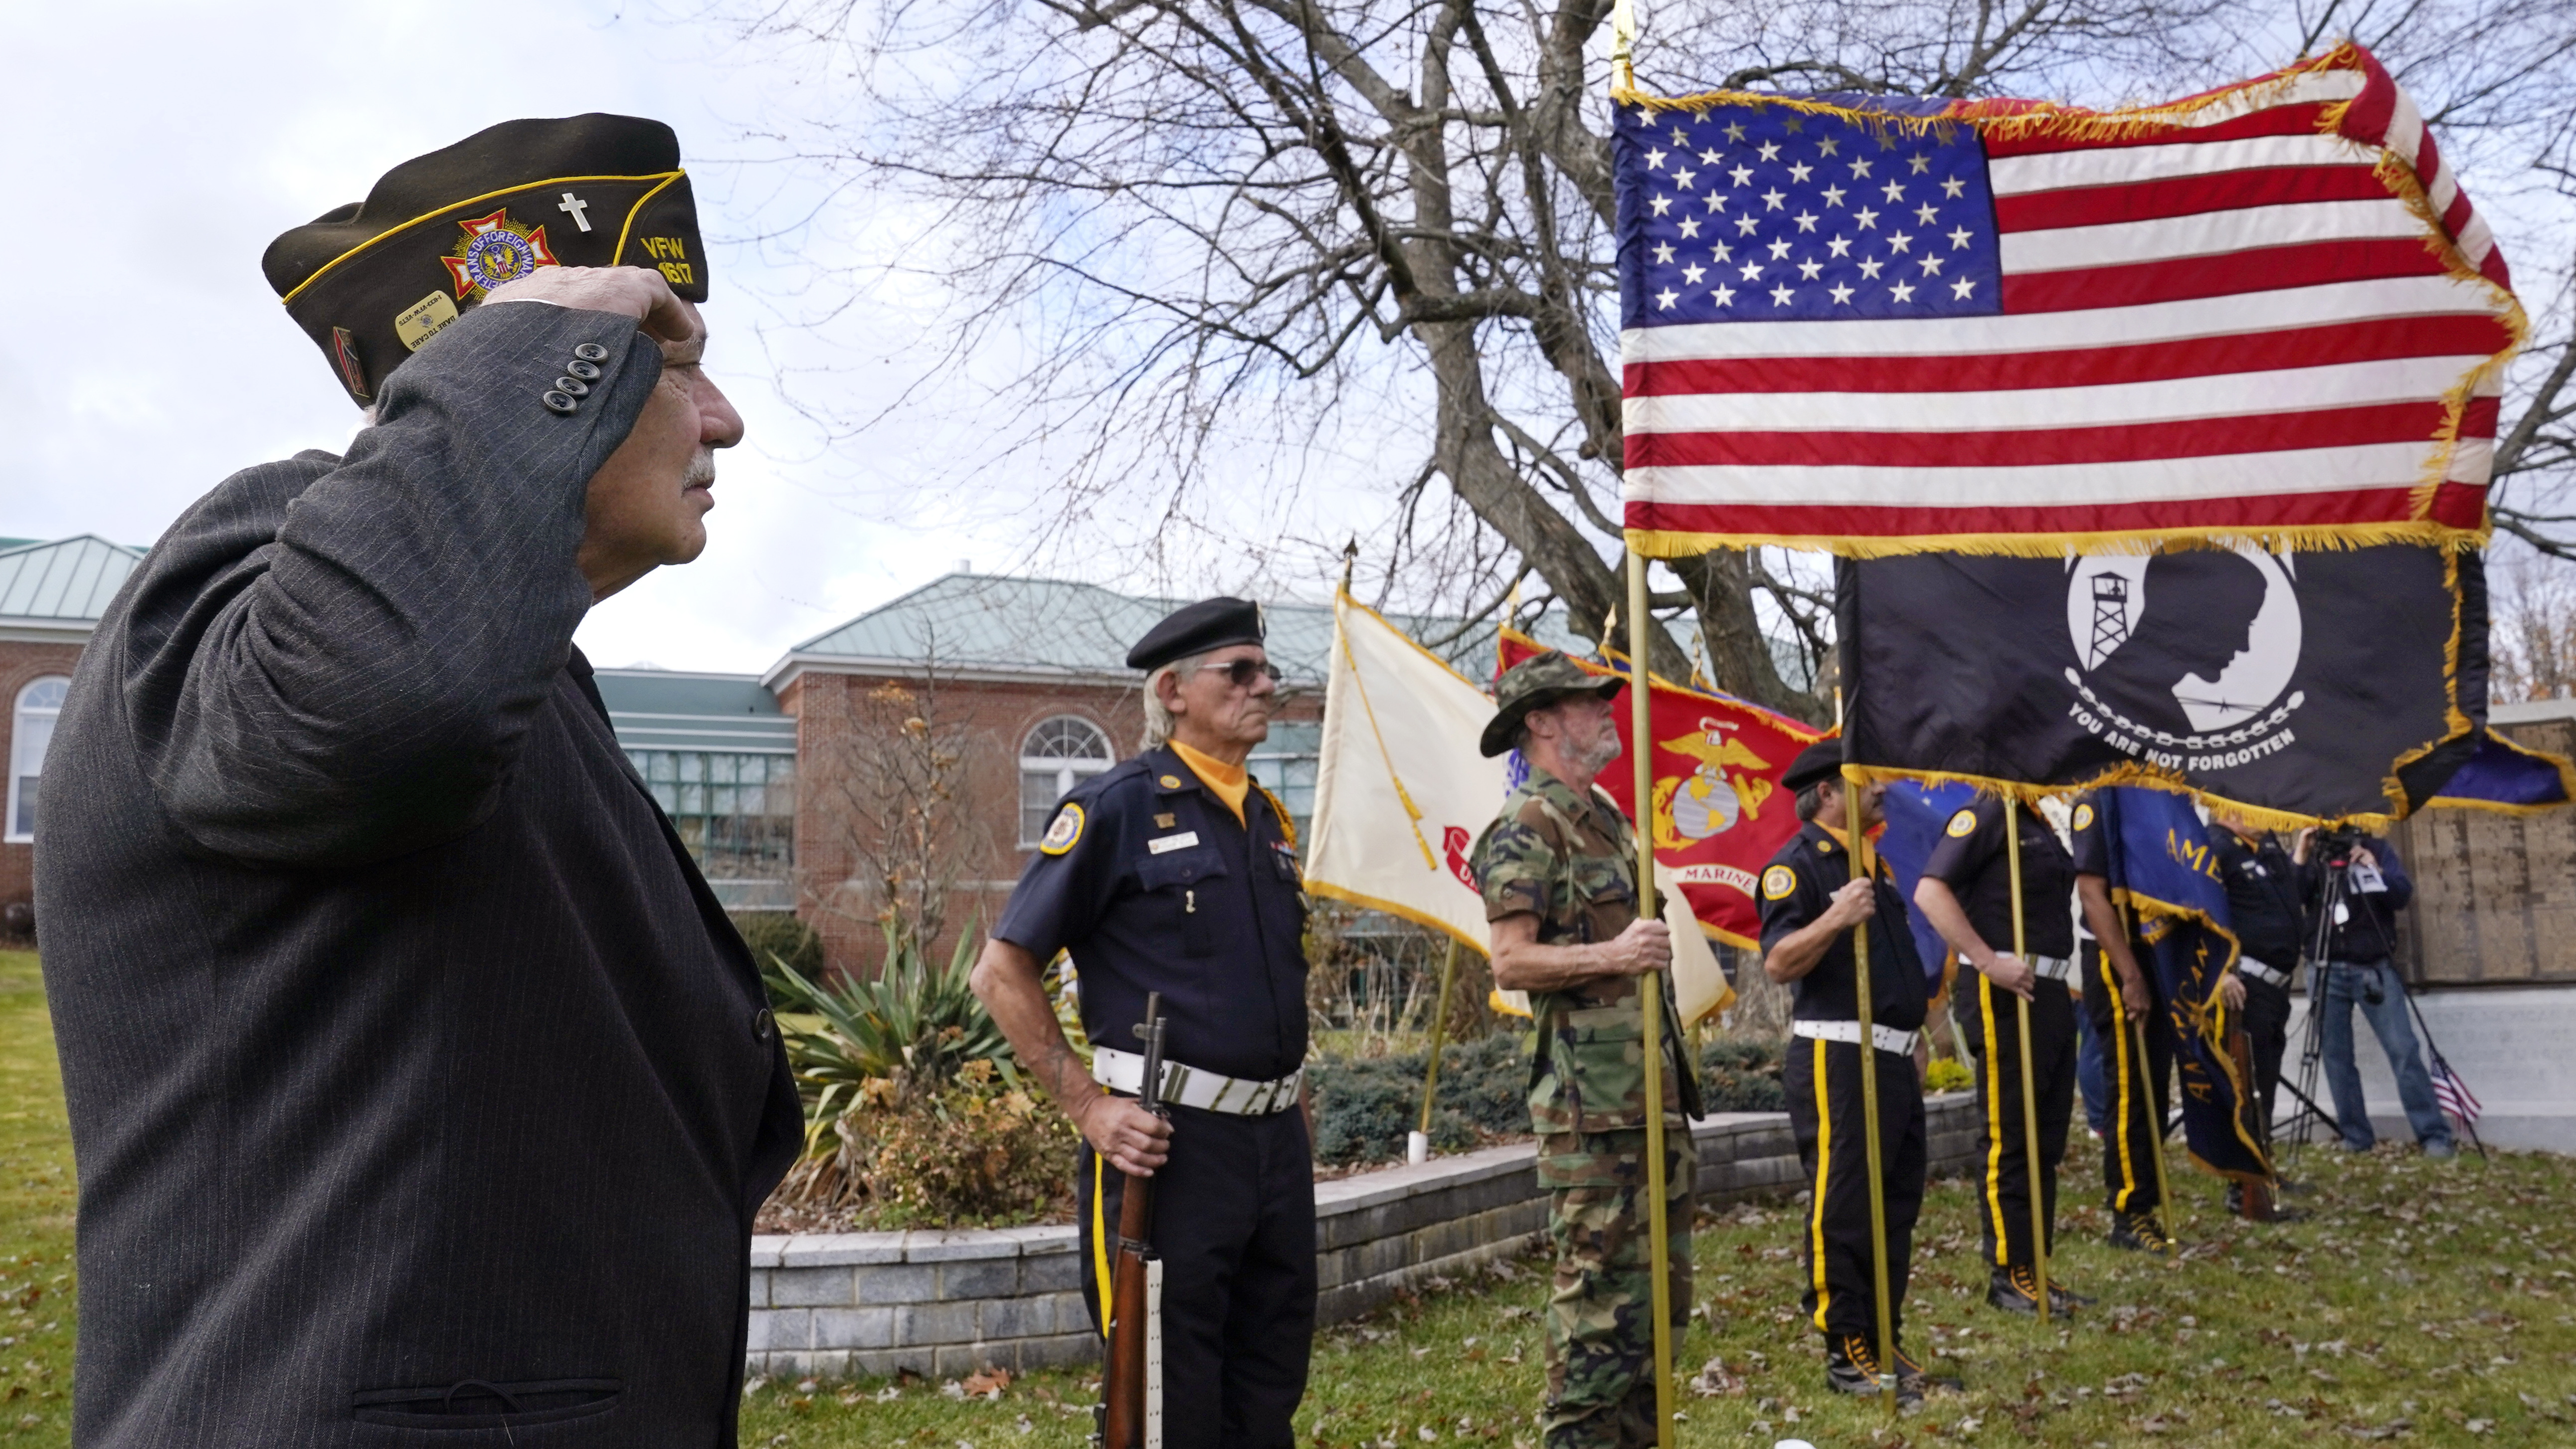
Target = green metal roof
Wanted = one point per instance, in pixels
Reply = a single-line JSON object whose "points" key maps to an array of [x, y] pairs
{"points": [[660, 709], [982, 623], [65, 581]]}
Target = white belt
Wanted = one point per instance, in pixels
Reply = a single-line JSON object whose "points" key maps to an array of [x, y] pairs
{"points": [[2263, 973], [1198, 1087], [2055, 968], [1885, 1038]]}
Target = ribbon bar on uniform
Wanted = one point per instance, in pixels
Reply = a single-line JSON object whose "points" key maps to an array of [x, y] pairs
{"points": [[1198, 1087]]}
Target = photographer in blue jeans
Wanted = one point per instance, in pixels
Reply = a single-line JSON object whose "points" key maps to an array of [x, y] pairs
{"points": [[2359, 928]]}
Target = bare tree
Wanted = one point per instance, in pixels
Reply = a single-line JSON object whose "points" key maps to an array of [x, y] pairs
{"points": [[896, 804], [1176, 230], [2533, 640]]}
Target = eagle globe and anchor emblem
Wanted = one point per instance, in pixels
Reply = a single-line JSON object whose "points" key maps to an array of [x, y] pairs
{"points": [[2184, 656], [496, 250]]}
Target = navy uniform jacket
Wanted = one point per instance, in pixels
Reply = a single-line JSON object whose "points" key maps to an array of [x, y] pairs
{"points": [[1148, 880], [1971, 860], [2088, 845], [1797, 887], [2263, 902]]}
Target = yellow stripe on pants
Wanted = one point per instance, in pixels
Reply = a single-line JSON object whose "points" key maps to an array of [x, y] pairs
{"points": [[2120, 1023], [1100, 1242], [1824, 1175], [1994, 1120]]}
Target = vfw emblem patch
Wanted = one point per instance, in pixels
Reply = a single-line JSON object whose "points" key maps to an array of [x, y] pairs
{"points": [[495, 250]]}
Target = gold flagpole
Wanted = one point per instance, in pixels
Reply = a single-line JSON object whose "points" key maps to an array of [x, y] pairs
{"points": [[1650, 996], [2029, 1092], [1865, 867], [2164, 1201], [1439, 1026]]}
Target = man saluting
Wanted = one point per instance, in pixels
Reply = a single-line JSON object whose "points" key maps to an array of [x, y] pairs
{"points": [[1175, 873], [420, 1089]]}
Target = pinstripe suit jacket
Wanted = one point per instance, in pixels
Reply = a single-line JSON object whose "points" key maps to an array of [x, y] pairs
{"points": [[419, 1089]]}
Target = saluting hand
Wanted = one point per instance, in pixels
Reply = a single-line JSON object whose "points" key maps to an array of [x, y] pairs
{"points": [[1645, 946], [1134, 1140], [1852, 902], [2013, 974]]}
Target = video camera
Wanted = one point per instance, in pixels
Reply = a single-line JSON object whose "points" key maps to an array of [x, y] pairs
{"points": [[2335, 844]]}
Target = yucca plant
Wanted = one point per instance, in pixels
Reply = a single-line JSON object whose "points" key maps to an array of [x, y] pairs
{"points": [[900, 1039]]}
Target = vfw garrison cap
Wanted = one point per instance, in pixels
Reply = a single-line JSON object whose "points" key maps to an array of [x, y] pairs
{"points": [[1535, 683], [1195, 629], [371, 281]]}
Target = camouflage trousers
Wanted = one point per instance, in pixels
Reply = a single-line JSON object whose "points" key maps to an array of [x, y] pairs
{"points": [[1600, 1318]]}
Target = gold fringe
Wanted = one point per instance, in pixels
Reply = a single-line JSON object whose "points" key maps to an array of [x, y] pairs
{"points": [[2126, 773], [1419, 918], [2454, 719], [2566, 784], [1673, 543]]}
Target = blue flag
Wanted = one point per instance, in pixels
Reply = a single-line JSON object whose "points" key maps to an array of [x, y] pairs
{"points": [[2162, 867], [1915, 813], [2510, 777]]}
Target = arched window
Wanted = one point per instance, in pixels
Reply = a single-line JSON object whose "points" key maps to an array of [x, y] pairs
{"points": [[39, 705], [1057, 754]]}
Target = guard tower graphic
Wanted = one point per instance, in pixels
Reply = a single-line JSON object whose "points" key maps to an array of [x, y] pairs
{"points": [[2110, 617]]}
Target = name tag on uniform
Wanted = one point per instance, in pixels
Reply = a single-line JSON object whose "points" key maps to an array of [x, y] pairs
{"points": [[1182, 841]]}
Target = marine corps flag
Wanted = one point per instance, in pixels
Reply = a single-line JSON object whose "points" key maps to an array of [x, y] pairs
{"points": [[2303, 686], [1719, 812], [2162, 867]]}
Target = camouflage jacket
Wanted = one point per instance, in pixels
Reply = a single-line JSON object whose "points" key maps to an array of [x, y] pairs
{"points": [[1571, 860]]}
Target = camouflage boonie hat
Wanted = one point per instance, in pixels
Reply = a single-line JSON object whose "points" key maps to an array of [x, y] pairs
{"points": [[1536, 683]]}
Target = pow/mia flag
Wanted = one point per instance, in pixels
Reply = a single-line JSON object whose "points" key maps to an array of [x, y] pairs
{"points": [[2329, 684]]}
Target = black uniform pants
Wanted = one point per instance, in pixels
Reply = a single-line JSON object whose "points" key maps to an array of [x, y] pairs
{"points": [[1234, 1223], [2266, 1018], [1993, 1030], [2140, 1076], [1823, 1082]]}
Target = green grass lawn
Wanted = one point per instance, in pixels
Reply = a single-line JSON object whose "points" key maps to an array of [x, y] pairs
{"points": [[35, 1216], [2440, 1296]]}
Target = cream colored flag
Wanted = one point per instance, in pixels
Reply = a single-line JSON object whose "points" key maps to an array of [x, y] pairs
{"points": [[1401, 793]]}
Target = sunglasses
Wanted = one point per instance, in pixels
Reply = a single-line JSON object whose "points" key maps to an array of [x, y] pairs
{"points": [[1241, 672]]}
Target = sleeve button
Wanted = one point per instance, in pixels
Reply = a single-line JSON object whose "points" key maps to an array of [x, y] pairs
{"points": [[762, 1024], [591, 352], [562, 402], [573, 385], [586, 371]]}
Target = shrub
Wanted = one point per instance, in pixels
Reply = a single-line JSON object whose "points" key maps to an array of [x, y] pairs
{"points": [[776, 938], [1741, 1074], [978, 1153], [1948, 1074], [1364, 1107], [914, 1028]]}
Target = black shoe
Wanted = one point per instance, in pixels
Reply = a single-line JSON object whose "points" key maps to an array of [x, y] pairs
{"points": [[1910, 1372], [2016, 1290], [1851, 1367], [2139, 1233]]}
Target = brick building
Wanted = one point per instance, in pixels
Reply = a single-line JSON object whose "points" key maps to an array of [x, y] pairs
{"points": [[51, 595]]}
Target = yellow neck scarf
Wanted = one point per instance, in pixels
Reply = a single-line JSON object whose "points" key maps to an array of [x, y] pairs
{"points": [[1230, 782]]}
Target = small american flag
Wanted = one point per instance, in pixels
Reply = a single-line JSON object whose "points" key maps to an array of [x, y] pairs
{"points": [[2266, 312], [2453, 1093]]}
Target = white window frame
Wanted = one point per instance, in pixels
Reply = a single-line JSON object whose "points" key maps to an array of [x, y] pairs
{"points": [[20, 712], [1069, 770]]}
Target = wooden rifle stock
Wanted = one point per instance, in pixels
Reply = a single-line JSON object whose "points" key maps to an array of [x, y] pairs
{"points": [[2240, 1050], [1122, 1382]]}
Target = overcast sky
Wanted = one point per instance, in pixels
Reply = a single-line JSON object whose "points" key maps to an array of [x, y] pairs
{"points": [[155, 149]]}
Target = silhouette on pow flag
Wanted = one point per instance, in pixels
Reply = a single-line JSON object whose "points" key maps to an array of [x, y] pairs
{"points": [[2195, 616]]}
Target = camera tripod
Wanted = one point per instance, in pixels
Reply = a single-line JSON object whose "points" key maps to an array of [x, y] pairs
{"points": [[2321, 968]]}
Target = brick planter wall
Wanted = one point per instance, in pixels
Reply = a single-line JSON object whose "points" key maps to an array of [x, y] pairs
{"points": [[945, 1303]]}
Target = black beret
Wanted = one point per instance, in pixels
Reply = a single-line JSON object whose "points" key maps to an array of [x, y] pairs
{"points": [[1196, 629], [1822, 760], [371, 281]]}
